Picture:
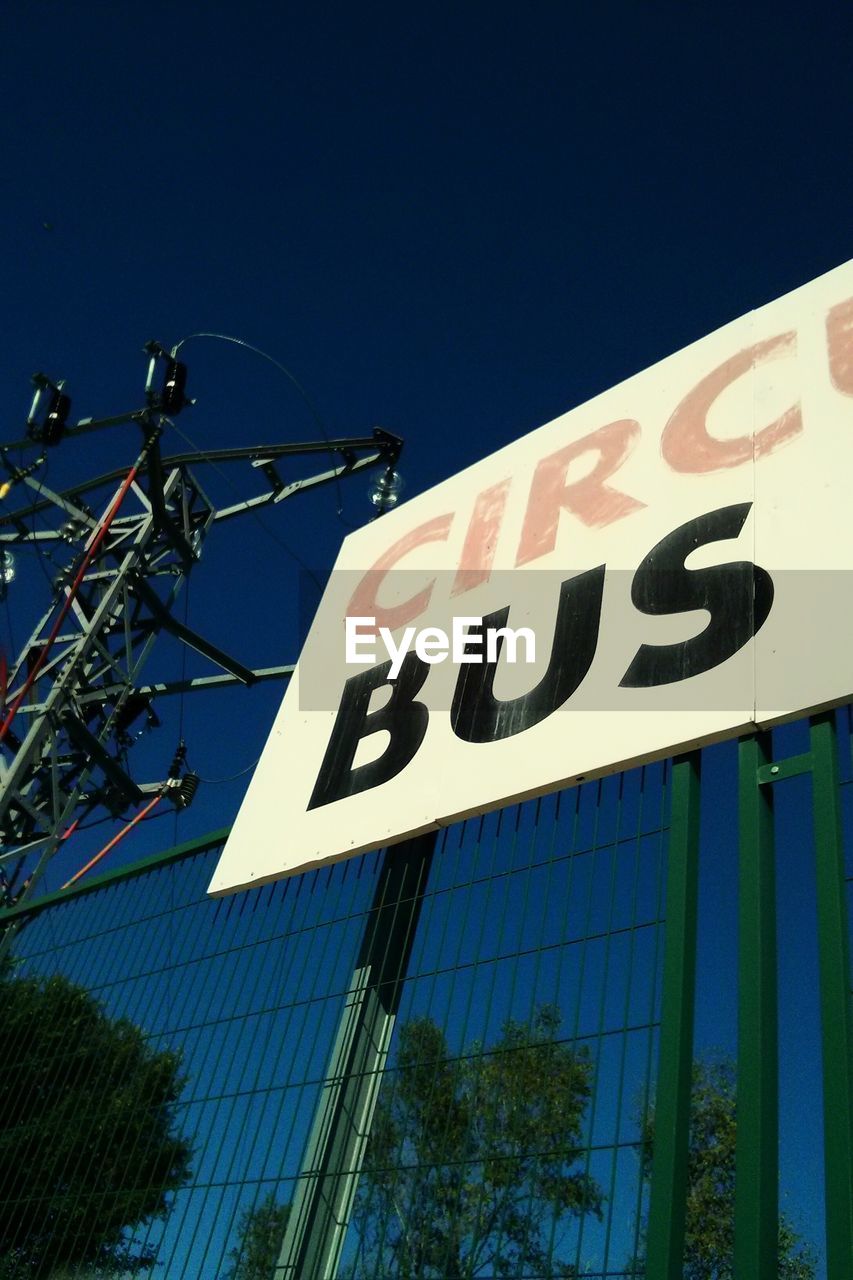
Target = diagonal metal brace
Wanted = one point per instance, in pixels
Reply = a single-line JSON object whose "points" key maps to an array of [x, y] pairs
{"points": [[86, 740], [162, 617]]}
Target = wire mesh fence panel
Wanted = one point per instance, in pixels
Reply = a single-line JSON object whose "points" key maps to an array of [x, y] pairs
{"points": [[211, 1023], [181, 1074], [524, 1039], [507, 1133]]}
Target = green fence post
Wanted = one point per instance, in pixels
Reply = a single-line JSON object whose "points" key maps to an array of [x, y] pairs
{"points": [[835, 1006], [325, 1191], [665, 1245], [757, 1157]]}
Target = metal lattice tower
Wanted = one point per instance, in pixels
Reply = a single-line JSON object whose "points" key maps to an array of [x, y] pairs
{"points": [[75, 689]]}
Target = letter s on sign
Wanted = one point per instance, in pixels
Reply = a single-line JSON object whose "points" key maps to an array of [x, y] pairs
{"points": [[738, 596]]}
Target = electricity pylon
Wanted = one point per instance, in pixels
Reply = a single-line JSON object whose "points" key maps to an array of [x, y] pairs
{"points": [[75, 689]]}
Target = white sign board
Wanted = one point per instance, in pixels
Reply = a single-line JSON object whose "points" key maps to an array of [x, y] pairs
{"points": [[674, 555]]}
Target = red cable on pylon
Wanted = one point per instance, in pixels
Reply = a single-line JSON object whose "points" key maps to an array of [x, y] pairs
{"points": [[100, 534], [115, 840]]}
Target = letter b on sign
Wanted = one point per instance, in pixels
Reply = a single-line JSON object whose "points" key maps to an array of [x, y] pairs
{"points": [[404, 719]]}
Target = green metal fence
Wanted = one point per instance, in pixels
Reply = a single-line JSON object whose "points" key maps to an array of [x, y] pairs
{"points": [[463, 1057]]}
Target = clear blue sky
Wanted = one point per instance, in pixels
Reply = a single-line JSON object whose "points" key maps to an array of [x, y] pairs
{"points": [[453, 221]]}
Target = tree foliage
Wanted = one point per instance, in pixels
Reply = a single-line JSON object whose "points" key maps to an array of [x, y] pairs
{"points": [[709, 1225], [88, 1146], [260, 1231], [474, 1163]]}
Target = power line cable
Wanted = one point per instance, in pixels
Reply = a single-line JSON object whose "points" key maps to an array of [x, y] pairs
{"points": [[181, 696], [215, 782], [13, 647], [117, 838], [100, 822], [312, 408], [255, 515], [41, 556]]}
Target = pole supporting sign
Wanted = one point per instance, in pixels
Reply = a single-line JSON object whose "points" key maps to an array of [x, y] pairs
{"points": [[665, 566]]}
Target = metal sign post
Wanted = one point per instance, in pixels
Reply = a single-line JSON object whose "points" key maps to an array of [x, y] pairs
{"points": [[321, 1207]]}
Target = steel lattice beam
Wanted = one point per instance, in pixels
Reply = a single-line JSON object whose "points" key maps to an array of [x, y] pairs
{"points": [[64, 748]]}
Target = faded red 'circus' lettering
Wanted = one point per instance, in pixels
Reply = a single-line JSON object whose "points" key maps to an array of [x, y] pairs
{"points": [[686, 444], [590, 499]]}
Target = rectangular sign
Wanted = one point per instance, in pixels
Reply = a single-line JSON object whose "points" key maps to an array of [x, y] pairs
{"points": [[662, 567]]}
